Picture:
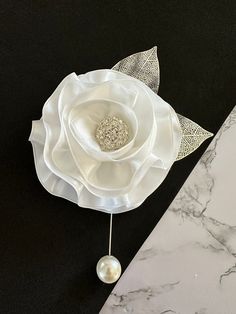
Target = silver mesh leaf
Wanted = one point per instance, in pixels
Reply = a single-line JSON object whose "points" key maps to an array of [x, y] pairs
{"points": [[142, 65], [193, 136]]}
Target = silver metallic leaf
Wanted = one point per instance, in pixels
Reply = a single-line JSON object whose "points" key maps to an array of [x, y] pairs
{"points": [[193, 136], [142, 65]]}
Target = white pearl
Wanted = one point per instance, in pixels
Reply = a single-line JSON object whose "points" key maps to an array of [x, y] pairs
{"points": [[108, 269]]}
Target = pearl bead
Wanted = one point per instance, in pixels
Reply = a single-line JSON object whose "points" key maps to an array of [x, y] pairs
{"points": [[108, 269]]}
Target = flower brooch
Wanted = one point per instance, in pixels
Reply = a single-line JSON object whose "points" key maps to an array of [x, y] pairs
{"points": [[106, 140]]}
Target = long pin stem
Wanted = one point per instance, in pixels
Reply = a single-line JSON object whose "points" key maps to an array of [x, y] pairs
{"points": [[110, 236]]}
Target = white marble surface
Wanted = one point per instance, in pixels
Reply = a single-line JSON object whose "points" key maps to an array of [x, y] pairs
{"points": [[188, 263]]}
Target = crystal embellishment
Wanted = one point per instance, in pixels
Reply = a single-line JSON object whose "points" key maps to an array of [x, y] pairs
{"points": [[112, 133]]}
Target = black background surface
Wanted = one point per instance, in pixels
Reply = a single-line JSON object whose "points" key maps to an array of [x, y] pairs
{"points": [[48, 246]]}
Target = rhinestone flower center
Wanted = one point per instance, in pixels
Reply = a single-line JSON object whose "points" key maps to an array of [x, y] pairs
{"points": [[112, 133]]}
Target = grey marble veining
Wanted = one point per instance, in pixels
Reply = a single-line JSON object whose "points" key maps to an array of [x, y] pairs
{"points": [[188, 263]]}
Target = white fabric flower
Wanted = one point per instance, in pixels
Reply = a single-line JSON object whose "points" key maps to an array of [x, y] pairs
{"points": [[68, 158]]}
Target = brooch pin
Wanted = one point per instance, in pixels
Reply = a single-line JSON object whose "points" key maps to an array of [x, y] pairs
{"points": [[106, 140]]}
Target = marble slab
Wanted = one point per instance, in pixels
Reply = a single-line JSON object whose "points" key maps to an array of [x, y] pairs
{"points": [[188, 263]]}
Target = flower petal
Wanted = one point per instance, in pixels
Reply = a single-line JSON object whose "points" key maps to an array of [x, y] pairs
{"points": [[51, 182]]}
